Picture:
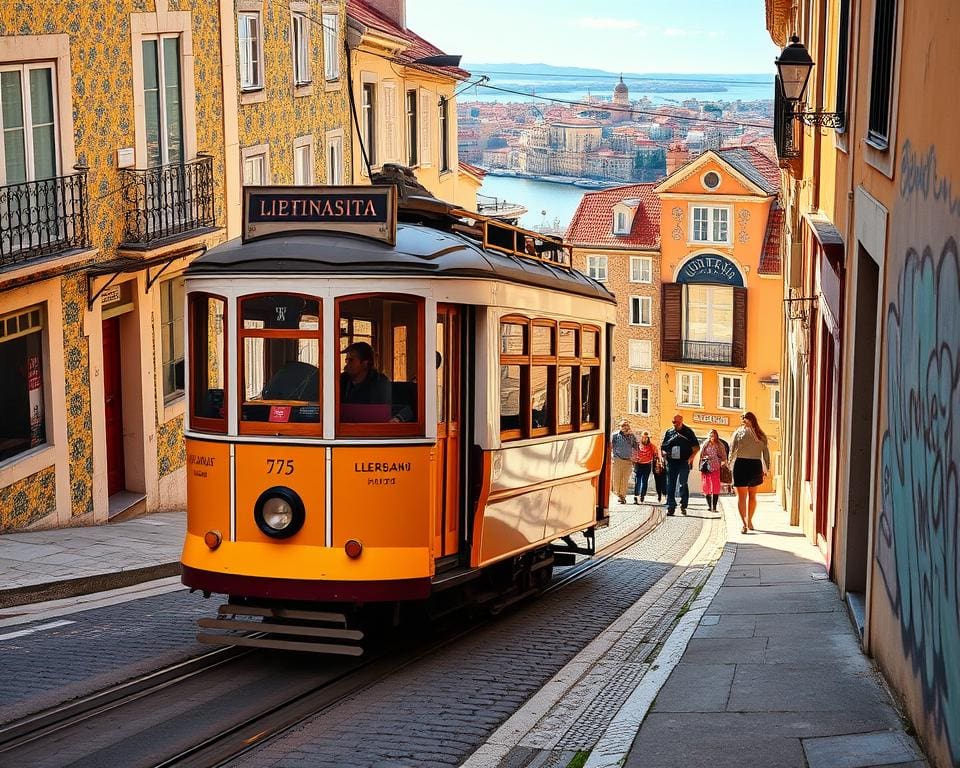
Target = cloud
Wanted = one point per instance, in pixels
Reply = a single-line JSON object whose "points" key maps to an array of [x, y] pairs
{"points": [[599, 22], [675, 32]]}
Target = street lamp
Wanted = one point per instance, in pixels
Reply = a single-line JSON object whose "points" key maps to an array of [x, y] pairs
{"points": [[794, 66]]}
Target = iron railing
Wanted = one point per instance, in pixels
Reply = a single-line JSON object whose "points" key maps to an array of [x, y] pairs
{"points": [[43, 218], [167, 201], [707, 352]]}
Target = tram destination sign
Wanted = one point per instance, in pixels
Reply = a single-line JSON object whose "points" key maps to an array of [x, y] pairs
{"points": [[365, 211]]}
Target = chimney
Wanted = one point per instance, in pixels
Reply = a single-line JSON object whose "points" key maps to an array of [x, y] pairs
{"points": [[395, 10]]}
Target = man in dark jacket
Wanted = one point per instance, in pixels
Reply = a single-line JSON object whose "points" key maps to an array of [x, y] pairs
{"points": [[679, 447], [360, 382]]}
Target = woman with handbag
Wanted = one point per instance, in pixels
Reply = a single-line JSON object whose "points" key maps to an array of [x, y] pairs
{"points": [[713, 456], [750, 457], [644, 458]]}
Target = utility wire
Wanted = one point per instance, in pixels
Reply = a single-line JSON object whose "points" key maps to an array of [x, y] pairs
{"points": [[626, 78]]}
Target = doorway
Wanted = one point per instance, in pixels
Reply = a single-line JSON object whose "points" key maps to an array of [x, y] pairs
{"points": [[447, 539], [113, 406]]}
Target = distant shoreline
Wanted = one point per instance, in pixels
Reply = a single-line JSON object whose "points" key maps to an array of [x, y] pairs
{"points": [[575, 181]]}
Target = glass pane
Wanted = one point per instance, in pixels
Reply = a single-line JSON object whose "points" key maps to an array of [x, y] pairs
{"points": [[291, 392], [589, 380], [509, 397], [513, 339], [172, 99], [11, 117], [207, 363], [565, 395], [280, 311], [568, 342], [540, 396], [589, 344], [381, 374], [151, 103], [441, 372], [542, 340]]}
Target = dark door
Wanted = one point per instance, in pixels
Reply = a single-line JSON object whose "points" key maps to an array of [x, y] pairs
{"points": [[113, 405], [448, 431]]}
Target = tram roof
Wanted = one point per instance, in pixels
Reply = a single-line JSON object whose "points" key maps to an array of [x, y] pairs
{"points": [[420, 251]]}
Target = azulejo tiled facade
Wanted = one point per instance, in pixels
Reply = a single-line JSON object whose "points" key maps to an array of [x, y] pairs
{"points": [[28, 500]]}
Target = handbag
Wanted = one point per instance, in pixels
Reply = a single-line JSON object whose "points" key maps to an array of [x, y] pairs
{"points": [[705, 465], [726, 475]]}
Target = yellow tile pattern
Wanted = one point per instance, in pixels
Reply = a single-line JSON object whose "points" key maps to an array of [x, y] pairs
{"points": [[73, 290], [171, 452], [29, 500]]}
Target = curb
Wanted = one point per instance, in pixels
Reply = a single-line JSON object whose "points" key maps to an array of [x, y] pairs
{"points": [[85, 585]]}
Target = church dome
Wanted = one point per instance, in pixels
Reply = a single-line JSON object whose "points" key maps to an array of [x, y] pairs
{"points": [[621, 87]]}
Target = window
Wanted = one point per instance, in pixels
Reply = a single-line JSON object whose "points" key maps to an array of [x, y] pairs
{"points": [[444, 135], [427, 99], [391, 131], [597, 268], [775, 404], [163, 100], [413, 140], [380, 391], [638, 400], [28, 127], [250, 42], [881, 77], [710, 225], [641, 269], [171, 338], [255, 169], [331, 46], [23, 426], [620, 223], [640, 355], [689, 389], [301, 49], [303, 160], [368, 122], [334, 158], [731, 392], [711, 180], [641, 310], [208, 363], [279, 364], [542, 377], [843, 53]]}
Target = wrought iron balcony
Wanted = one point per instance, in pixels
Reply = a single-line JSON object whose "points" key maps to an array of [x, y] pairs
{"points": [[707, 352], [43, 218], [167, 202]]}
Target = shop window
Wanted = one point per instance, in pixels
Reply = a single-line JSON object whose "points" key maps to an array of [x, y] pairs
{"points": [[171, 338], [280, 364], [23, 426], [380, 348], [208, 363]]}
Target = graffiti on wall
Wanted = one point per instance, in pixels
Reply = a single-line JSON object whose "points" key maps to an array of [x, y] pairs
{"points": [[918, 537]]}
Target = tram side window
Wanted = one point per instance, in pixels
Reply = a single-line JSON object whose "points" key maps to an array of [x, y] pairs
{"points": [[280, 364], [208, 363], [381, 359], [549, 377]]}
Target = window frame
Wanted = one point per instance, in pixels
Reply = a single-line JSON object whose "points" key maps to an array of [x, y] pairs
{"points": [[728, 378], [382, 429], [368, 121], [620, 219], [594, 262], [412, 114], [443, 123], [641, 262], [206, 423], [43, 328], [774, 403], [269, 428], [162, 86], [331, 45], [636, 318], [256, 47], [883, 60], [711, 223], [250, 155], [635, 396], [28, 124], [177, 394], [636, 344], [333, 157], [300, 27], [693, 376], [299, 144]]}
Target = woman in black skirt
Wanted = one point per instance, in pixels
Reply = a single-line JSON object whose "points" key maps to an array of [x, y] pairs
{"points": [[750, 457]]}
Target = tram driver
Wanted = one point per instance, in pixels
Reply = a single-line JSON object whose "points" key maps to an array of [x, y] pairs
{"points": [[361, 384]]}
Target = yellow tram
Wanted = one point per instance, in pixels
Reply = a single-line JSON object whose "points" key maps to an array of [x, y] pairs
{"points": [[388, 398]]}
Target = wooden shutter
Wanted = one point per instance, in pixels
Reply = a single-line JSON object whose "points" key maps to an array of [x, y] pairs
{"points": [[671, 323], [426, 127], [390, 122], [739, 328]]}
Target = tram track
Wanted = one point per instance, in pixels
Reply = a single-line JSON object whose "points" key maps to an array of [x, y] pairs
{"points": [[290, 688]]}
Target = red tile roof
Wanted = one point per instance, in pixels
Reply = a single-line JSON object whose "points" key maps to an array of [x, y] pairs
{"points": [[417, 47], [770, 253], [592, 224], [767, 167]]}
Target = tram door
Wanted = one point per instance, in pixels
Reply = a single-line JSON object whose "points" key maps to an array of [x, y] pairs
{"points": [[448, 430]]}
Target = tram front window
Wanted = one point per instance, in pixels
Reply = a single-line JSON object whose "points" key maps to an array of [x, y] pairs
{"points": [[380, 344], [280, 335]]}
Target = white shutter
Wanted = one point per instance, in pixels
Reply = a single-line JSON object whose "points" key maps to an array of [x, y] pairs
{"points": [[426, 127], [391, 155]]}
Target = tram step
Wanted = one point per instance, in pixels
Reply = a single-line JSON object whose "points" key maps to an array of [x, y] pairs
{"points": [[281, 613], [283, 645], [281, 629]]}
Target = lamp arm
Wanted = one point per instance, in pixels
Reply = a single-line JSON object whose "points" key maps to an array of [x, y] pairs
{"points": [[821, 119]]}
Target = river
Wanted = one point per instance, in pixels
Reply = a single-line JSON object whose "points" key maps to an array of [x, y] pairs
{"points": [[559, 201]]}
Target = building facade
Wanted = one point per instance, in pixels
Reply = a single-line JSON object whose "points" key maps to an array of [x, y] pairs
{"points": [[870, 375], [111, 182], [721, 295], [615, 236]]}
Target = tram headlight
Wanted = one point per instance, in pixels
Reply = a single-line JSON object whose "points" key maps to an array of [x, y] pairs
{"points": [[279, 512]]}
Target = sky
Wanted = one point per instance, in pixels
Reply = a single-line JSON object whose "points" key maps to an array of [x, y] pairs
{"points": [[640, 36]]}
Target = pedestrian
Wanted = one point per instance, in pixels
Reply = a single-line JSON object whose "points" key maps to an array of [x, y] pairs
{"points": [[678, 448], [713, 456], [623, 444], [726, 475], [750, 458], [660, 478], [644, 459]]}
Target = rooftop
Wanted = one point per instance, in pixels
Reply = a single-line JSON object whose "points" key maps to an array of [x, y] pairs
{"points": [[592, 223]]}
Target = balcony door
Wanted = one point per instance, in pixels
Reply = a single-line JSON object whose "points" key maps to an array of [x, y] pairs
{"points": [[28, 155]]}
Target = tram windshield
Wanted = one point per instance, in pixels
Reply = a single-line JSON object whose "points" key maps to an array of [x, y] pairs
{"points": [[380, 359]]}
